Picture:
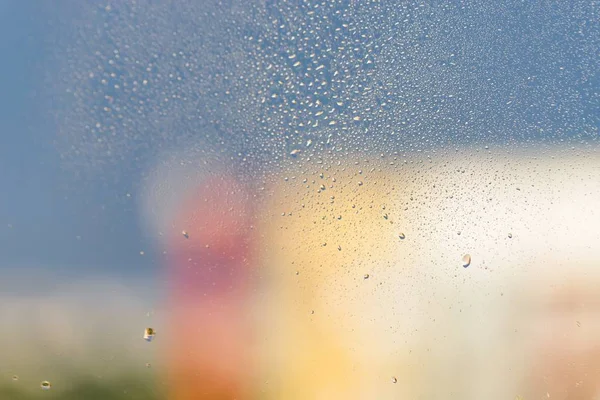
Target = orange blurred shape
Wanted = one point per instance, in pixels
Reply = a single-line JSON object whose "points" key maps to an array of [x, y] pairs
{"points": [[209, 260]]}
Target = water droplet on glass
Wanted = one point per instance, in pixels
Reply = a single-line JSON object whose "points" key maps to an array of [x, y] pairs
{"points": [[366, 276], [466, 260], [401, 235], [45, 385], [148, 365], [149, 334], [394, 379], [15, 377], [510, 235], [185, 234]]}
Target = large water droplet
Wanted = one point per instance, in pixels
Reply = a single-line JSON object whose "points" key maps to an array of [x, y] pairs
{"points": [[149, 334], [466, 260]]}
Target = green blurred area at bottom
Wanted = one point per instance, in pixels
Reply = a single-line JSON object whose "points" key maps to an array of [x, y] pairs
{"points": [[130, 389]]}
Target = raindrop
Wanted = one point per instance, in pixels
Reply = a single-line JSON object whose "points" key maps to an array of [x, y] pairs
{"points": [[45, 385], [510, 235], [149, 334], [394, 379], [466, 260], [15, 377], [401, 235], [185, 234], [148, 365], [366, 276]]}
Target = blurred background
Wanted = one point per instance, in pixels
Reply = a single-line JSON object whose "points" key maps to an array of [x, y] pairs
{"points": [[302, 199]]}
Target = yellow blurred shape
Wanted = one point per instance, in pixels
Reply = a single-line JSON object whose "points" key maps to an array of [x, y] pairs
{"points": [[444, 331]]}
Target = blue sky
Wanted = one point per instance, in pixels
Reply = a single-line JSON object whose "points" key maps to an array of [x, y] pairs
{"points": [[43, 208]]}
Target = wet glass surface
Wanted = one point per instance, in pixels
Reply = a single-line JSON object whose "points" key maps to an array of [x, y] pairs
{"points": [[299, 200]]}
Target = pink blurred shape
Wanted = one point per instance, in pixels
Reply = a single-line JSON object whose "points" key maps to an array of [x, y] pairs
{"points": [[209, 266]]}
